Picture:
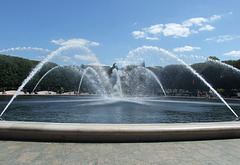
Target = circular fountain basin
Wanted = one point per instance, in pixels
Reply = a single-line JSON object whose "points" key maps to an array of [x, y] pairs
{"points": [[76, 132], [129, 119]]}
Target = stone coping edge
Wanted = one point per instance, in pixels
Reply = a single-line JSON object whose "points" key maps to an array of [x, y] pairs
{"points": [[82, 132]]}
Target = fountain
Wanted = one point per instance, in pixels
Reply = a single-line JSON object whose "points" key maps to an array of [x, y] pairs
{"points": [[103, 79], [115, 86], [122, 96]]}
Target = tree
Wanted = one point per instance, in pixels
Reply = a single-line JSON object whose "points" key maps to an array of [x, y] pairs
{"points": [[234, 63], [214, 58], [13, 70]]}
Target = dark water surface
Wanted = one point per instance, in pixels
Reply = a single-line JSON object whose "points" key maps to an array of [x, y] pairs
{"points": [[94, 109]]}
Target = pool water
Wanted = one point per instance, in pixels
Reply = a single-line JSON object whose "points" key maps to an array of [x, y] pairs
{"points": [[117, 110]]}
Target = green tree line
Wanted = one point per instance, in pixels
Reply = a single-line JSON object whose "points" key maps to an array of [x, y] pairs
{"points": [[178, 77], [174, 78], [13, 70]]}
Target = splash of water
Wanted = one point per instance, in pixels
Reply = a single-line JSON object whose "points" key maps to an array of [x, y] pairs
{"points": [[158, 81], [43, 77], [37, 68], [118, 85], [96, 75]]}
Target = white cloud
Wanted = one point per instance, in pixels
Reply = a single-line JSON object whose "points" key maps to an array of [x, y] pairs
{"points": [[176, 30], [223, 38], [186, 49], [75, 41], [95, 44], [152, 38], [139, 34], [214, 18], [82, 44], [142, 50], [194, 21], [206, 28], [233, 53], [194, 57], [57, 42], [184, 29], [25, 48], [155, 29]]}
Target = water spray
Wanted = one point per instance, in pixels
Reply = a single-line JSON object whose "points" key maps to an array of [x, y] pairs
{"points": [[158, 81], [43, 77], [96, 75]]}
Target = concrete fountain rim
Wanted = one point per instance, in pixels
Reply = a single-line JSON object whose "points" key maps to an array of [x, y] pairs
{"points": [[95, 132]]}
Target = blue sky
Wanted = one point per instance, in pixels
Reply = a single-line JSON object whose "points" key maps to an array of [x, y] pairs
{"points": [[122, 31]]}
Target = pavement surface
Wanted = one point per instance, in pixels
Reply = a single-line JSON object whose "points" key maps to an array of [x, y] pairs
{"points": [[209, 152]]}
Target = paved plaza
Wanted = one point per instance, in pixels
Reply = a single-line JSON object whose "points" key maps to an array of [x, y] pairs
{"points": [[215, 152]]}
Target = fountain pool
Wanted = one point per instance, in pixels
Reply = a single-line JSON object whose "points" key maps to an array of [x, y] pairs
{"points": [[117, 110]]}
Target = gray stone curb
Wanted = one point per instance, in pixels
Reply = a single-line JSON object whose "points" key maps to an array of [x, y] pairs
{"points": [[81, 132]]}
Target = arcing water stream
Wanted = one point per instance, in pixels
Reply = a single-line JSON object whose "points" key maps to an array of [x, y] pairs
{"points": [[158, 81], [43, 77]]}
